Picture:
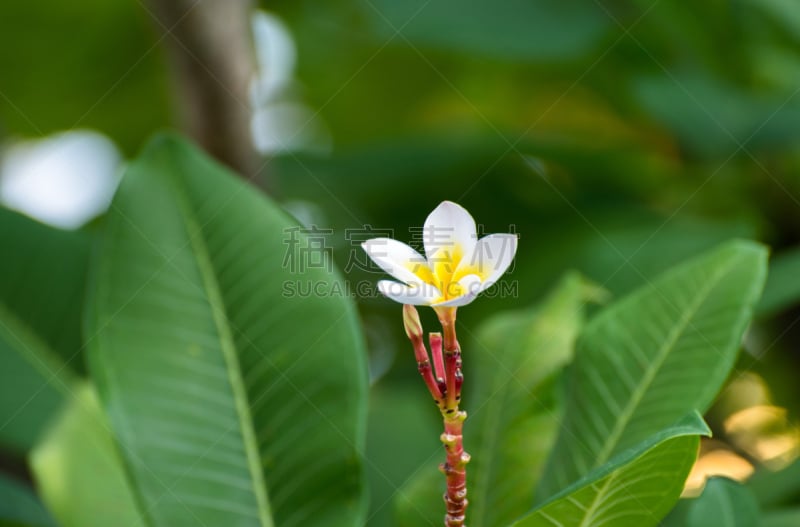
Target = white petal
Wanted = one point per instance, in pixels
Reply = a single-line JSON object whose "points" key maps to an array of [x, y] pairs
{"points": [[472, 285], [418, 295], [492, 256], [396, 258], [448, 226]]}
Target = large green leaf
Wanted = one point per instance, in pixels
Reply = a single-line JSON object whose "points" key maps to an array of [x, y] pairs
{"points": [[726, 503], [653, 356], [42, 283], [235, 402], [19, 507], [514, 410], [635, 489], [79, 472]]}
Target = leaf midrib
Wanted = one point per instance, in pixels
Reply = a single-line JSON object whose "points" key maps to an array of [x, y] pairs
{"points": [[590, 513], [228, 348], [638, 394], [598, 499]]}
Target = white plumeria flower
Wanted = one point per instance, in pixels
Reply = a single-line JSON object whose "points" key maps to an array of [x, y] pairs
{"points": [[458, 265]]}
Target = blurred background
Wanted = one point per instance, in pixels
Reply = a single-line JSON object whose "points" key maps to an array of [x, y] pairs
{"points": [[616, 137]]}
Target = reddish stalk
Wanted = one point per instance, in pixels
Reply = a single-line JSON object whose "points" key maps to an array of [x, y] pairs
{"points": [[414, 332], [455, 470], [438, 359], [455, 466], [446, 391], [452, 359]]}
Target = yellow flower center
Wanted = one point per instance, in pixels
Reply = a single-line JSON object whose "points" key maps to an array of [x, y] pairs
{"points": [[443, 272]]}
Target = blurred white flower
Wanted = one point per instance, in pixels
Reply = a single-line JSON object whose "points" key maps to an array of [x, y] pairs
{"points": [[64, 180], [280, 122], [276, 56]]}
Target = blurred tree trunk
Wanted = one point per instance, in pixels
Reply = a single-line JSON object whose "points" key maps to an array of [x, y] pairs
{"points": [[212, 59]]}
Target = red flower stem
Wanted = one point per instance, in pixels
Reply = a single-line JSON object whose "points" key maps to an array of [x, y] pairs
{"points": [[413, 328], [454, 468], [424, 367], [452, 365], [453, 380], [449, 329], [438, 359]]}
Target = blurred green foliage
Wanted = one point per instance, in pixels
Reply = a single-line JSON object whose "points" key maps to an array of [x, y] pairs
{"points": [[20, 507], [42, 286], [88, 64]]}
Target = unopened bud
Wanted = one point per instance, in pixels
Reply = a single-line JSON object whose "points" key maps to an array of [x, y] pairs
{"points": [[411, 322]]}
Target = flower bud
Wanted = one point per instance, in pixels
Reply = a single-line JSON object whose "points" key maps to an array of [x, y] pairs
{"points": [[411, 322]]}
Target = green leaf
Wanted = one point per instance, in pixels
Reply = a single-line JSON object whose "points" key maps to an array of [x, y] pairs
{"points": [[713, 117], [653, 356], [33, 383], [44, 282], [19, 507], [781, 518], [784, 12], [514, 411], [635, 489], [79, 472], [517, 411], [234, 400], [776, 488], [677, 516], [726, 503], [520, 31], [782, 289], [41, 298]]}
